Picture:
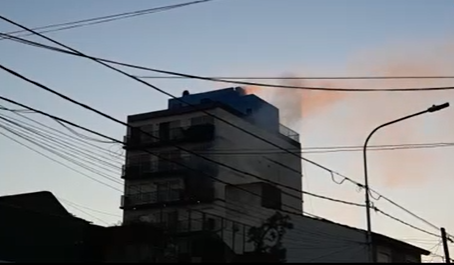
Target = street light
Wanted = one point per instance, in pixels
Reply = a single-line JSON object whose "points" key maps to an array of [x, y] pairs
{"points": [[434, 108]]}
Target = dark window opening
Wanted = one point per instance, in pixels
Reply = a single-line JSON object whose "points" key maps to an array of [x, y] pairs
{"points": [[205, 100], [271, 196], [164, 129]]}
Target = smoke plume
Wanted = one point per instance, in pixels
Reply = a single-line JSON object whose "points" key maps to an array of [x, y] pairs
{"points": [[354, 115]]}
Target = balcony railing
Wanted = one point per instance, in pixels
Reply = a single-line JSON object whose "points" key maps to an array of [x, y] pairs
{"points": [[148, 198], [232, 232], [144, 169], [289, 133], [180, 196], [201, 132]]}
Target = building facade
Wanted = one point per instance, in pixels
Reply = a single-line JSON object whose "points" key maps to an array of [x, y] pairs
{"points": [[173, 157], [192, 169]]}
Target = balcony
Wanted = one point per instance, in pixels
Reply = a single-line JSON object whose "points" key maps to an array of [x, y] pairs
{"points": [[147, 198], [195, 133], [168, 197], [158, 168], [287, 132]]}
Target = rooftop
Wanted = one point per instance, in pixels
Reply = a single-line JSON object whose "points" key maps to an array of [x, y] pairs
{"points": [[379, 237], [234, 100], [41, 202]]}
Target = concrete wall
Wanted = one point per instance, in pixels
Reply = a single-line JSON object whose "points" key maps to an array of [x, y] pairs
{"points": [[229, 138], [265, 165], [152, 126], [311, 240]]}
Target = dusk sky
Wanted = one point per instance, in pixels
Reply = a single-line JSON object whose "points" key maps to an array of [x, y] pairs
{"points": [[254, 38]]}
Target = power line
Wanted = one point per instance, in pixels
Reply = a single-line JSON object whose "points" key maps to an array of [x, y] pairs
{"points": [[99, 134], [91, 215], [80, 127], [59, 153], [255, 194], [324, 150], [303, 77], [298, 172], [84, 136], [247, 151], [250, 209], [189, 151], [54, 132], [88, 208], [101, 19], [164, 92], [58, 162], [160, 90], [206, 78], [153, 136], [261, 151], [227, 122], [46, 149], [62, 144], [405, 223]]}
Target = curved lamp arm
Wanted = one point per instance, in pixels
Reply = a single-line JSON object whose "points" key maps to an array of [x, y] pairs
{"points": [[434, 108]]}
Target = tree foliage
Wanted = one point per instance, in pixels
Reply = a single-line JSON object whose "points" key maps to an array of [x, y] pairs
{"points": [[267, 238]]}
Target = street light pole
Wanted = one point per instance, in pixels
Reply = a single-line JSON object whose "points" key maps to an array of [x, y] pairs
{"points": [[434, 108]]}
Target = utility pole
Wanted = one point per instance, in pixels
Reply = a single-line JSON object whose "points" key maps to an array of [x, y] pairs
{"points": [[444, 238], [434, 108]]}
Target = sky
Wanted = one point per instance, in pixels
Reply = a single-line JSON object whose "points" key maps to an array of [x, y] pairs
{"points": [[254, 38]]}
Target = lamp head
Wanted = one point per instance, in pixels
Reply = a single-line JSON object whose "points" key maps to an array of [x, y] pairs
{"points": [[438, 107]]}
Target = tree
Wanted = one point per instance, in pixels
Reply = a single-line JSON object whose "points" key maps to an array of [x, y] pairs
{"points": [[267, 238]]}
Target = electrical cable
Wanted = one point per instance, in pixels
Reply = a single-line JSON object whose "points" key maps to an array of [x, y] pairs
{"points": [[88, 214], [156, 88], [162, 91], [102, 19], [205, 78], [58, 162], [201, 173], [305, 159], [67, 156], [405, 223], [84, 136], [87, 158], [332, 237], [304, 77], [88, 208], [52, 131], [120, 191], [305, 150], [151, 135], [394, 218]]}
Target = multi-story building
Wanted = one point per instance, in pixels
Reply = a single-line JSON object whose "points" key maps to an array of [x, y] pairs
{"points": [[195, 167], [175, 158]]}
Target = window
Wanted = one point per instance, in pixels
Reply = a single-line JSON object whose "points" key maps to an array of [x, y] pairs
{"points": [[201, 120], [139, 159], [271, 196], [183, 246], [383, 257], [147, 133], [166, 158], [411, 259], [139, 188], [171, 219]]}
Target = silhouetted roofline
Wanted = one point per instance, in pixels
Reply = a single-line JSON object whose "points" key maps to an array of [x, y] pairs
{"points": [[40, 202], [379, 237]]}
